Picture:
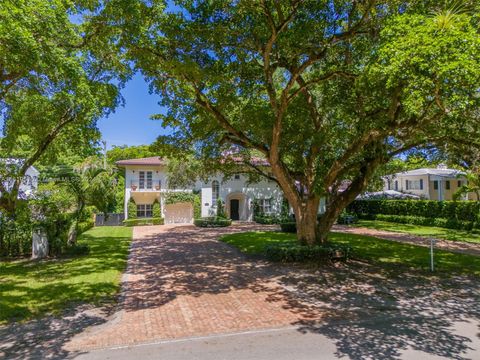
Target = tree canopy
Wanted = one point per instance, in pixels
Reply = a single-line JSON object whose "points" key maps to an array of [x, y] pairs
{"points": [[57, 77], [327, 91]]}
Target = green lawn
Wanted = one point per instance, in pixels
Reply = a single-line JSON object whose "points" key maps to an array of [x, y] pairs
{"points": [[428, 231], [31, 288], [380, 252]]}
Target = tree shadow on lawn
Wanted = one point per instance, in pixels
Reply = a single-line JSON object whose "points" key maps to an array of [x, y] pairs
{"points": [[43, 338], [62, 288], [378, 314]]}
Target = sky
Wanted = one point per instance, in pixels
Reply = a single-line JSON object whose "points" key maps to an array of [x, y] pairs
{"points": [[131, 124]]}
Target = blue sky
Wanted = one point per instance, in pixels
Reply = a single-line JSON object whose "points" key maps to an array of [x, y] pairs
{"points": [[131, 124]]}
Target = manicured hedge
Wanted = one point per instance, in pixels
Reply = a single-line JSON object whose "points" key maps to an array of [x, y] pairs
{"points": [[212, 222], [425, 221], [267, 219], [301, 253], [288, 227], [459, 210], [144, 221], [347, 219]]}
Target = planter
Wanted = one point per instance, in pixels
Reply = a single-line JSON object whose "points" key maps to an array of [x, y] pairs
{"points": [[134, 187], [157, 187]]}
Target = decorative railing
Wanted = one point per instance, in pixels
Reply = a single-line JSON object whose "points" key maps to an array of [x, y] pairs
{"points": [[155, 186]]}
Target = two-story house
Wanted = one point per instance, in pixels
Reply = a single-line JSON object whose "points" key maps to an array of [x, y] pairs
{"points": [[439, 183], [146, 180]]}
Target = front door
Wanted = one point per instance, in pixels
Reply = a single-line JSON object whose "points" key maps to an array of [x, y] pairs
{"points": [[234, 209]]}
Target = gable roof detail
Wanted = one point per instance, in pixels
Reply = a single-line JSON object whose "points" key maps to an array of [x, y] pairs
{"points": [[427, 171]]}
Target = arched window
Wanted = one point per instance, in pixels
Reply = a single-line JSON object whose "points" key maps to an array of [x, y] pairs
{"points": [[215, 191]]}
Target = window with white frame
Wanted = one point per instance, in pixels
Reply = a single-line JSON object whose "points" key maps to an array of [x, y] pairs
{"points": [[145, 179], [144, 210], [414, 184], [149, 180], [215, 191], [265, 206]]}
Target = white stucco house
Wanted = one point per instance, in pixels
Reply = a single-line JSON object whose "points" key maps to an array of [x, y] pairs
{"points": [[29, 182], [439, 183], [146, 179]]}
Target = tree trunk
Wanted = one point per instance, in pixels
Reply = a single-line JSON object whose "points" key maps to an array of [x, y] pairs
{"points": [[326, 222], [72, 232], [306, 221]]}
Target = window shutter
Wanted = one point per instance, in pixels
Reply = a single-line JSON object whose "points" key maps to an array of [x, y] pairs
{"points": [[421, 184], [406, 184]]}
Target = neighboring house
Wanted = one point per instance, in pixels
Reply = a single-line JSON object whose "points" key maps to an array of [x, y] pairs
{"points": [[146, 179], [440, 183], [29, 182], [387, 194]]}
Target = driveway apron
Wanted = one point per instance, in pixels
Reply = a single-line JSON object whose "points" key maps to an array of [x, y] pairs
{"points": [[182, 282]]}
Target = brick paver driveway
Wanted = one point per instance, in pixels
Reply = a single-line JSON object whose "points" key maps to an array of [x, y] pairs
{"points": [[181, 281]]}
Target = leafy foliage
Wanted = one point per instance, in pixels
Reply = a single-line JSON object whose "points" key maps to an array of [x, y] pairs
{"points": [[124, 152], [156, 210], [289, 227], [144, 221], [58, 77], [132, 209], [472, 185], [325, 91], [459, 210], [174, 197], [212, 222], [220, 209], [299, 253]]}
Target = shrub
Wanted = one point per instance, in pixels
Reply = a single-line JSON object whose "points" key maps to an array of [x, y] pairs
{"points": [[459, 210], [15, 238], [346, 218], [423, 221], [267, 219], [288, 227], [84, 226], [220, 209], [156, 211], [143, 221], [175, 197], [302, 253], [132, 209], [197, 206], [212, 222]]}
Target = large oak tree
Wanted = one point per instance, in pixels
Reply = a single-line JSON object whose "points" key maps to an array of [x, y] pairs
{"points": [[326, 90]]}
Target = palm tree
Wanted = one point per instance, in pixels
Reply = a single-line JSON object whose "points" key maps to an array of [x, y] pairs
{"points": [[472, 185], [92, 183]]}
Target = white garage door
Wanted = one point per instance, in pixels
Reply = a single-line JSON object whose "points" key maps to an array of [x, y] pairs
{"points": [[181, 213]]}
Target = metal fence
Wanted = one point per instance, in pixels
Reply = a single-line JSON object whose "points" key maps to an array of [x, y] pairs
{"points": [[109, 220]]}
